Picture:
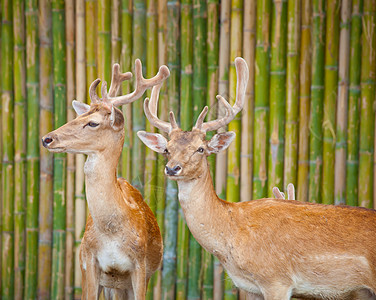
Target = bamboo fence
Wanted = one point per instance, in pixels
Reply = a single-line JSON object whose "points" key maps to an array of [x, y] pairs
{"points": [[309, 119]]}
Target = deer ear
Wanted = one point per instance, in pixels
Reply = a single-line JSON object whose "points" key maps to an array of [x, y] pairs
{"points": [[80, 107], [116, 118], [220, 141], [154, 141]]}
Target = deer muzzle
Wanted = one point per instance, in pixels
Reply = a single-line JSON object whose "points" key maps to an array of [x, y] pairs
{"points": [[173, 171]]}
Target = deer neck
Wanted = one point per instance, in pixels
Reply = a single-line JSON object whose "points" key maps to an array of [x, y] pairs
{"points": [[204, 212], [102, 191]]}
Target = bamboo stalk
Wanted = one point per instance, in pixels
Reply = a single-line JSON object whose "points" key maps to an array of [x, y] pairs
{"points": [[161, 179], [330, 97], [277, 95], [79, 190], [186, 113], [150, 173], [91, 41], [212, 90], [352, 159], [292, 94], [104, 39], [8, 143], [343, 86], [317, 97], [115, 31], [233, 153], [138, 119], [60, 160], [199, 101], [304, 100], [246, 157], [126, 63], [221, 159], [19, 147], [249, 48], [367, 117], [171, 210], [71, 91], [262, 66], [32, 184]]}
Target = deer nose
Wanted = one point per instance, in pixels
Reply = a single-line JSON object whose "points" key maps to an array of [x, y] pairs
{"points": [[46, 141], [172, 171]]}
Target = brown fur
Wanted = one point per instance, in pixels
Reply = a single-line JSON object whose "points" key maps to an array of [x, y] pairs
{"points": [[122, 245], [272, 247]]}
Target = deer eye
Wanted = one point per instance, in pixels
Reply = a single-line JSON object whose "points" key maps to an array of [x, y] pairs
{"points": [[165, 151], [92, 124], [200, 150]]}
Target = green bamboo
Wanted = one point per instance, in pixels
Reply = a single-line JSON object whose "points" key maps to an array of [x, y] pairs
{"points": [[70, 212], [32, 184], [367, 116], [8, 192], [212, 91], [233, 153], [80, 202], [150, 175], [60, 118], [343, 87], [304, 100], [19, 146], [115, 31], [126, 64], [103, 38], [46, 157], [163, 108], [186, 113], [277, 95], [317, 98], [260, 140], [199, 101], [352, 159], [292, 94], [221, 159], [90, 42], [330, 97], [249, 49], [171, 210], [138, 119]]}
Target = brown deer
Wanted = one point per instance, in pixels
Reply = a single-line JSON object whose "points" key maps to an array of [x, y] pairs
{"points": [[272, 248], [122, 244]]}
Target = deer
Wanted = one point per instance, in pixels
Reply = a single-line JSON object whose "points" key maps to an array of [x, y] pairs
{"points": [[273, 249], [122, 244]]}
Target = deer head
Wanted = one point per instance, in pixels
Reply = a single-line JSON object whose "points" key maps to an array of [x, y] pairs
{"points": [[100, 125], [187, 151]]}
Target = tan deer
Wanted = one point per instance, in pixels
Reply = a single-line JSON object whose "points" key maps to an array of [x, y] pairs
{"points": [[122, 245], [270, 247]]}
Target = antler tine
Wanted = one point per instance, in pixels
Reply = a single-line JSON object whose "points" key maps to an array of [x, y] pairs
{"points": [[92, 93], [104, 91], [153, 119], [117, 79], [141, 84], [151, 107], [242, 74]]}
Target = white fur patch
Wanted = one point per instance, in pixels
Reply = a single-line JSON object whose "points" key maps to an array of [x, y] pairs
{"points": [[110, 257]]}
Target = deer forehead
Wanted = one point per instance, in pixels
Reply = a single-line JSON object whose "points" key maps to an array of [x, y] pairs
{"points": [[185, 140]]}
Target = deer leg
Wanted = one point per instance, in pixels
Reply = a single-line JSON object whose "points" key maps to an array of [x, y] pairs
{"points": [[90, 280], [139, 282]]}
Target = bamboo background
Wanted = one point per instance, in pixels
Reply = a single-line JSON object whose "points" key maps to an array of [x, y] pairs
{"points": [[309, 119]]}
